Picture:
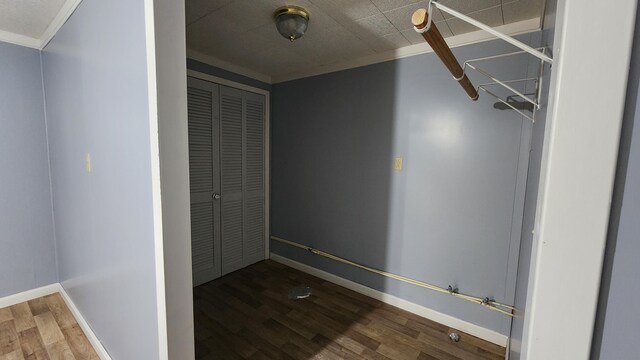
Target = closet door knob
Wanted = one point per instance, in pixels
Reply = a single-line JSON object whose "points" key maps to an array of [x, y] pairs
{"points": [[216, 196]]}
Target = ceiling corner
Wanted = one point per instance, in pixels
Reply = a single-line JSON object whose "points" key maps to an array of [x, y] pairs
{"points": [[63, 15]]}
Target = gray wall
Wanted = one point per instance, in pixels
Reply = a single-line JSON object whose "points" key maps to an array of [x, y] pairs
{"points": [[531, 195], [616, 331], [95, 77], [447, 218], [27, 258], [225, 74]]}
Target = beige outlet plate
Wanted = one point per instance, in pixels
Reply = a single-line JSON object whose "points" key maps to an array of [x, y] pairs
{"points": [[397, 164], [87, 162]]}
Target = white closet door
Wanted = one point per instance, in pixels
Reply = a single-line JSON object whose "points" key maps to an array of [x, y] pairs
{"points": [[254, 163], [242, 154], [231, 159], [204, 177]]}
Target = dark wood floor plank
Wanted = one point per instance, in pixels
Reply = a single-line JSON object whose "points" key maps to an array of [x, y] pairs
{"points": [[424, 356], [239, 345], [363, 300], [396, 352], [481, 344], [296, 352], [341, 337], [427, 327], [450, 348], [338, 348], [248, 315], [260, 356], [384, 321], [301, 329], [265, 346]]}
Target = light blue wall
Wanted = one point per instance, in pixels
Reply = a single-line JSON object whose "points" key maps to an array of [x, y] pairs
{"points": [[531, 195], [95, 77], [616, 332], [447, 218], [27, 248]]}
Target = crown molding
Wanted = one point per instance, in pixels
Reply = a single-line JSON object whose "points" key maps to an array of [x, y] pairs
{"points": [[63, 15], [225, 65], [17, 39]]}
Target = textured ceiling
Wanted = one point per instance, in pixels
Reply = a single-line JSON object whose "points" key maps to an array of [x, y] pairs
{"points": [[242, 32], [28, 17]]}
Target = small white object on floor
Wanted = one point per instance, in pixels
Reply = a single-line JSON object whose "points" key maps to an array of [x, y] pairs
{"points": [[299, 292]]}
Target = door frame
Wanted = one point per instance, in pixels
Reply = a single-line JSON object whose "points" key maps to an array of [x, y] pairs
{"points": [[267, 143]]}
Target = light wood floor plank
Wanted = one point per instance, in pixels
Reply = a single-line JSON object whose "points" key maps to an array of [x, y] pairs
{"points": [[38, 306], [9, 341], [60, 312], [14, 355], [48, 329], [5, 314], [60, 351], [22, 317], [32, 346], [48, 332], [79, 343]]}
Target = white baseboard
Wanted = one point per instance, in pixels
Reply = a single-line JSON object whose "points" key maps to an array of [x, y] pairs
{"points": [[448, 320], [52, 289], [29, 295], [93, 339]]}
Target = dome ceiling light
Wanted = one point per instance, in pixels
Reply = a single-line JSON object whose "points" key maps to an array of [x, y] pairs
{"points": [[291, 21]]}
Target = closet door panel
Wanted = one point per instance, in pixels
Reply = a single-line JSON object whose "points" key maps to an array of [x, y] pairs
{"points": [[231, 161], [254, 231], [254, 166], [232, 236], [202, 104]]}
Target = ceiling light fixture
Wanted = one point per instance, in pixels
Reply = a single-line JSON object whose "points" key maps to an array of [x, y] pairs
{"points": [[291, 21]]}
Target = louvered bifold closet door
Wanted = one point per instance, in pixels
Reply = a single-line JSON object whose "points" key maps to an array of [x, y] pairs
{"points": [[254, 175], [242, 157], [231, 158], [202, 98]]}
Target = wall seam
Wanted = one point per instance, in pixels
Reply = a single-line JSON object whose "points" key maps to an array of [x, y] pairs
{"points": [[46, 130], [516, 259]]}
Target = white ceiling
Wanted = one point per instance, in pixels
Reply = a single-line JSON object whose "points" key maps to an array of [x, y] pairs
{"points": [[242, 32], [32, 22]]}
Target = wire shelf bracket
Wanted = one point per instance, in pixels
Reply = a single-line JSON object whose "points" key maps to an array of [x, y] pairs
{"points": [[506, 84], [423, 24]]}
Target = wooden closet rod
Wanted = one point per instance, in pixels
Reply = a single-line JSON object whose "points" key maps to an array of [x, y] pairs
{"points": [[432, 35]]}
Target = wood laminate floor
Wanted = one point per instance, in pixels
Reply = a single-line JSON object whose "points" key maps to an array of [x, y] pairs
{"points": [[247, 315], [42, 329]]}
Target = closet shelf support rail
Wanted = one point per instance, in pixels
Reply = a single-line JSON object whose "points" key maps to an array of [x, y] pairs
{"points": [[485, 301], [535, 52], [422, 21]]}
